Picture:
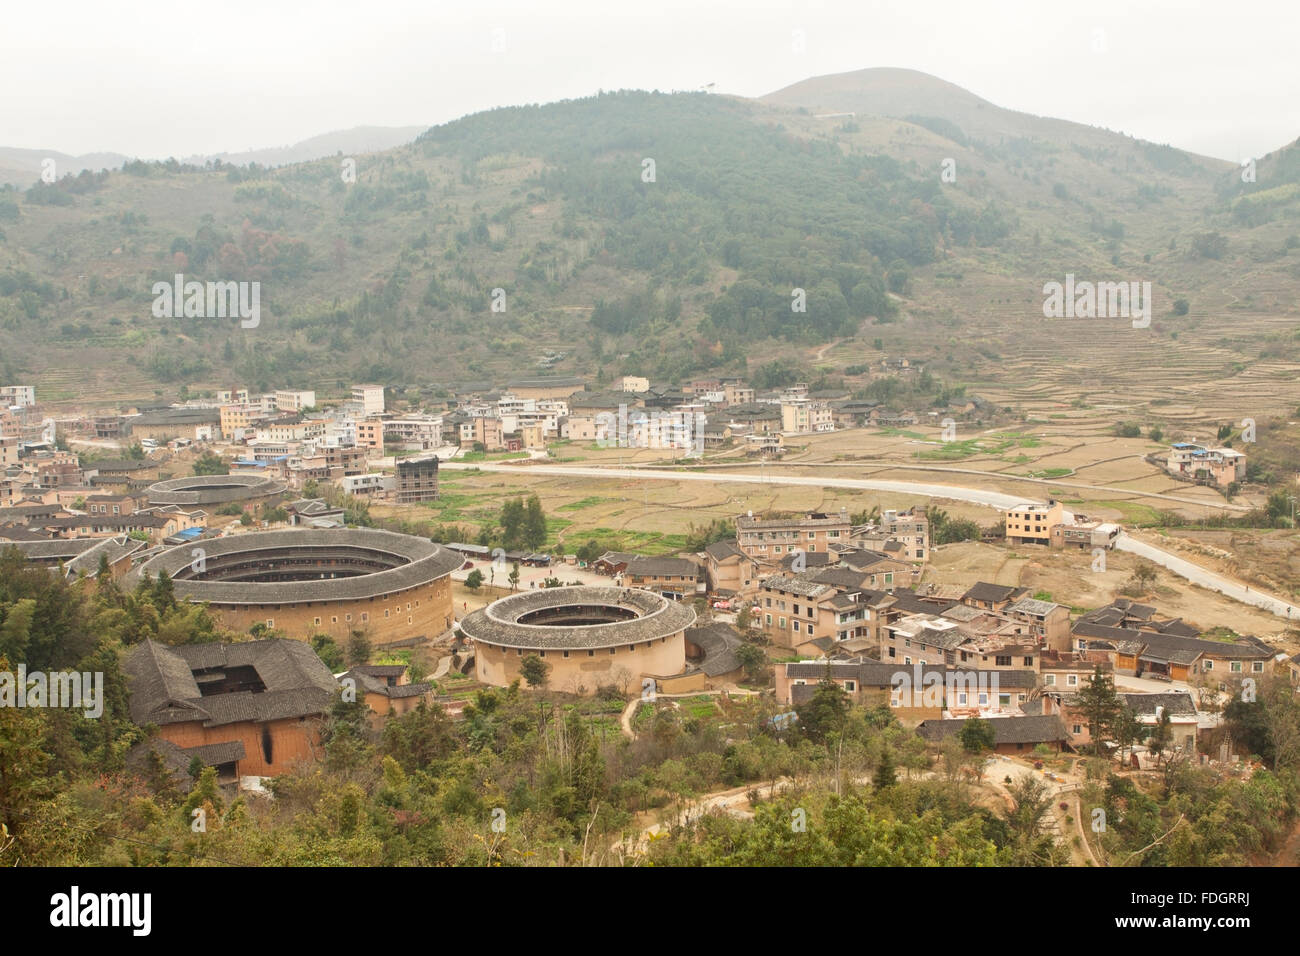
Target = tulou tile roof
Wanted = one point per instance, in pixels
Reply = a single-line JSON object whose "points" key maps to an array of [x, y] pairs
{"points": [[499, 624], [415, 561]]}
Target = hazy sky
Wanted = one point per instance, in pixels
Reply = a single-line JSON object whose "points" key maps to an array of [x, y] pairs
{"points": [[154, 78]]}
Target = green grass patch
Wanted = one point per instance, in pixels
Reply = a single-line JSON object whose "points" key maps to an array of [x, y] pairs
{"points": [[589, 502], [492, 456], [644, 542], [1135, 514]]}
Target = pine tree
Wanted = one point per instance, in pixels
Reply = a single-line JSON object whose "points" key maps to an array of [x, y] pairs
{"points": [[885, 776], [1102, 707]]}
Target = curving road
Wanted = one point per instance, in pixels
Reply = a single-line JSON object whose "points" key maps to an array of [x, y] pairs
{"points": [[992, 499], [1206, 578]]}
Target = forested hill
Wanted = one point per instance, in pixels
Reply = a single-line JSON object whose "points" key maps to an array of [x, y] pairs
{"points": [[647, 232]]}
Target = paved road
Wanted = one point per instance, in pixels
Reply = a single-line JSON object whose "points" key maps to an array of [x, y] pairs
{"points": [[992, 499], [1208, 579], [1001, 476]]}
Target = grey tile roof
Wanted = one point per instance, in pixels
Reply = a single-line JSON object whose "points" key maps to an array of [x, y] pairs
{"points": [[1032, 607], [794, 584], [984, 591], [1092, 630], [1006, 730], [212, 489], [719, 642], [722, 550], [164, 689], [215, 754], [178, 416], [663, 567], [115, 549], [1174, 704]]}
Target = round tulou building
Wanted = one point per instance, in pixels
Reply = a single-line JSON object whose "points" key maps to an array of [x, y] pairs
{"points": [[212, 489], [395, 587], [590, 637]]}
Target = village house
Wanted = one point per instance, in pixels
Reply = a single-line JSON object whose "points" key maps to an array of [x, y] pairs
{"points": [[613, 563], [1150, 709], [768, 540], [1032, 523], [168, 423], [993, 597], [386, 689], [729, 571], [910, 529], [546, 388], [672, 577], [1216, 466]]}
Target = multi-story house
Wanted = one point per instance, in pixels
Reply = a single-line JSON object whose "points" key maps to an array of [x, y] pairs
{"points": [[803, 417], [289, 400], [768, 540], [1218, 466], [1032, 523], [371, 398]]}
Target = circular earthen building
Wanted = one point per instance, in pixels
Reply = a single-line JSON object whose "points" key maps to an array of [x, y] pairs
{"points": [[394, 587], [212, 489], [590, 637]]}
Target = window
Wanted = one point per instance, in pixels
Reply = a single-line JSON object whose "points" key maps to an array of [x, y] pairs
{"points": [[566, 655], [1236, 667], [348, 618], [316, 621], [961, 699], [891, 652], [1004, 700], [270, 622], [781, 622], [1002, 660], [907, 660], [334, 619], [1029, 661], [1257, 667], [1076, 729], [850, 686], [611, 650], [984, 699], [1209, 665], [768, 620], [796, 627], [1049, 680], [365, 616], [1072, 680]]}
